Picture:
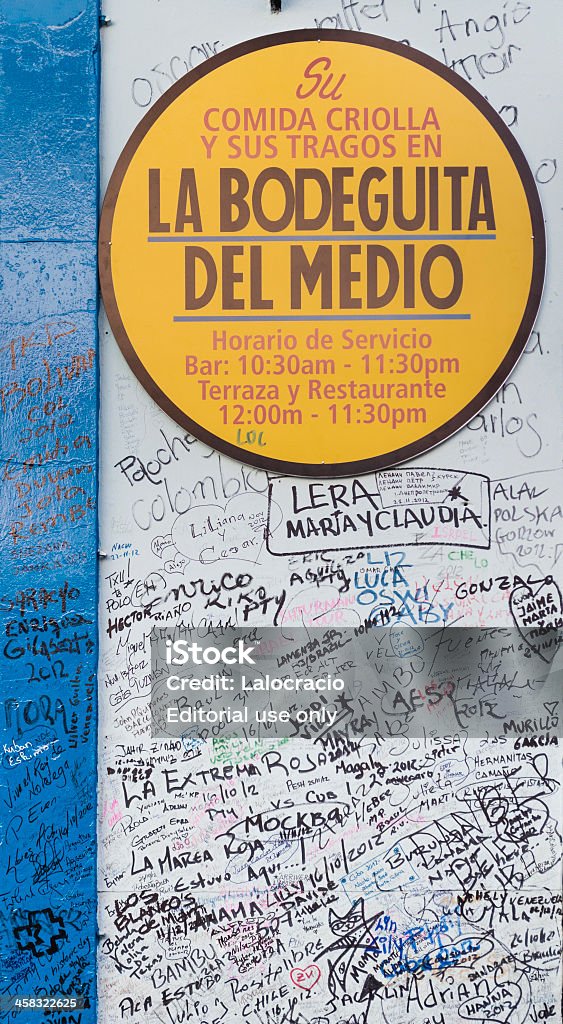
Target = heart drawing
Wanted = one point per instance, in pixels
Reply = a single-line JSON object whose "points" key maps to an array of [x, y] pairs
{"points": [[537, 610], [305, 977]]}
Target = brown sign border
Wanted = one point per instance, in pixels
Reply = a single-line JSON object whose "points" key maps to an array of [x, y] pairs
{"points": [[452, 425]]}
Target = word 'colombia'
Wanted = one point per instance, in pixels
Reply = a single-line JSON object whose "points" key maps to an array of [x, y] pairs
{"points": [[360, 275], [337, 190]]}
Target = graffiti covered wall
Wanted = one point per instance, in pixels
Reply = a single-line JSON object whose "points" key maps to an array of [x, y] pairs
{"points": [[408, 867], [270, 877]]}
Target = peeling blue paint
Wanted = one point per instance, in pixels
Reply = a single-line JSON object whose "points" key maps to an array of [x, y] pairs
{"points": [[48, 469]]}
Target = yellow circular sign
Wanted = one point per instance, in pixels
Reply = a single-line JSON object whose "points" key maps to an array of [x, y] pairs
{"points": [[322, 252]]}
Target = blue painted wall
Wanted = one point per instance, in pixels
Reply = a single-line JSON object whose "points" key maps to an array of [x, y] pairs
{"points": [[48, 474]]}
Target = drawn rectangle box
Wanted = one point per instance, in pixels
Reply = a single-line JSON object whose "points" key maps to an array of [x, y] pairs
{"points": [[398, 507]]}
